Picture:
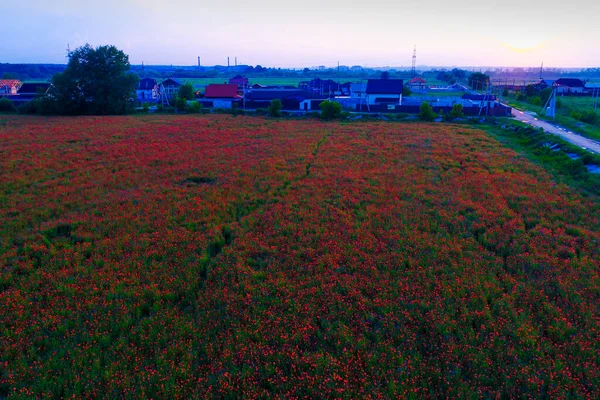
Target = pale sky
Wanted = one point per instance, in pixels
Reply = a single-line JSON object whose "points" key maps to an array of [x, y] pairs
{"points": [[306, 33]]}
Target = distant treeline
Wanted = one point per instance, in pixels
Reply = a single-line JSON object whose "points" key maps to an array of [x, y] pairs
{"points": [[30, 71], [46, 71]]}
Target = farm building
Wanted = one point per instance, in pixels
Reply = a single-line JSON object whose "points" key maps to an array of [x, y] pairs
{"points": [[147, 90], [9, 86], [569, 86]]}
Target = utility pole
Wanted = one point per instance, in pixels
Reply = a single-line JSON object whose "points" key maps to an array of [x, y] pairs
{"points": [[339, 88], [198, 62], [413, 72]]}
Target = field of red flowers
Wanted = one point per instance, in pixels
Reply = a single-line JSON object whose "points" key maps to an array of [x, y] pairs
{"points": [[223, 257]]}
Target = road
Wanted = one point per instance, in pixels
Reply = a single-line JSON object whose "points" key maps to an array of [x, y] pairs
{"points": [[574, 138]]}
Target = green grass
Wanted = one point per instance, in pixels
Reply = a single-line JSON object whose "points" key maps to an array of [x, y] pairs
{"points": [[530, 142]]}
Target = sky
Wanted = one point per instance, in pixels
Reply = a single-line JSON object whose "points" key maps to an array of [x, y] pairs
{"points": [[308, 33]]}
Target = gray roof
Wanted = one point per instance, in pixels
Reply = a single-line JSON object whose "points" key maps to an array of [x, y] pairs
{"points": [[384, 86]]}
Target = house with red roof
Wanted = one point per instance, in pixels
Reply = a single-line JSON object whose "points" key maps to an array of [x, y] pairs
{"points": [[222, 91], [9, 86], [417, 83], [221, 95]]}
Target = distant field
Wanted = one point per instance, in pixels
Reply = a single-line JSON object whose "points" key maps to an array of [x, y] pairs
{"points": [[176, 257], [263, 81]]}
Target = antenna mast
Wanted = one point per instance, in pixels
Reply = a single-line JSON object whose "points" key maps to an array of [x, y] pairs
{"points": [[414, 63]]}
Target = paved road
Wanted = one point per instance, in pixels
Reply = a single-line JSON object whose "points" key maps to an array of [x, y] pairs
{"points": [[578, 140]]}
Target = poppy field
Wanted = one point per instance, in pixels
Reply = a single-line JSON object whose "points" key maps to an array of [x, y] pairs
{"points": [[236, 257]]}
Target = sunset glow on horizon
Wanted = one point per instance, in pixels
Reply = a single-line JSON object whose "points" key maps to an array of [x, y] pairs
{"points": [[306, 34]]}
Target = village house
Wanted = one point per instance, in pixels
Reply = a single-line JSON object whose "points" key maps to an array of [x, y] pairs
{"points": [[9, 86], [34, 89], [358, 90], [479, 100], [384, 92], [147, 90], [417, 84], [311, 104], [240, 81], [290, 98], [569, 86], [170, 87], [223, 95]]}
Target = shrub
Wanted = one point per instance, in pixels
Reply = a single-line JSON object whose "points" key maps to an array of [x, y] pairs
{"points": [[589, 117], [521, 96], [426, 112], [180, 103], [261, 111], [535, 100], [505, 92], [576, 115], [7, 105], [27, 108], [330, 109], [406, 91], [456, 112], [195, 107], [275, 108]]}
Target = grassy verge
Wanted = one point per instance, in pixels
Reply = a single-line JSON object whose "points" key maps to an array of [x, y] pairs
{"points": [[567, 163], [563, 118]]}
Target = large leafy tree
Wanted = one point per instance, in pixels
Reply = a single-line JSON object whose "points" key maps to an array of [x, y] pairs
{"points": [[96, 81], [478, 80]]}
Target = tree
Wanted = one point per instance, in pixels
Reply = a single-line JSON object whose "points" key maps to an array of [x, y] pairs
{"points": [[456, 112], [275, 107], [385, 75], [186, 91], [406, 91], [545, 94], [330, 109], [96, 81], [530, 90], [426, 112], [478, 80]]}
